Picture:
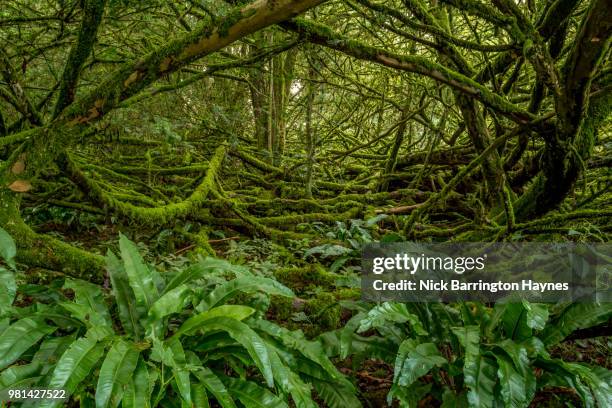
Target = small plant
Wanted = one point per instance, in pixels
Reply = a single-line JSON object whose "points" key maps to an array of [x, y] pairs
{"points": [[353, 237], [179, 340], [8, 286], [472, 355]]}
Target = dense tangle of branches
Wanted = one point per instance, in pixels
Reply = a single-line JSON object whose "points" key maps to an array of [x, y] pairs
{"points": [[463, 119]]}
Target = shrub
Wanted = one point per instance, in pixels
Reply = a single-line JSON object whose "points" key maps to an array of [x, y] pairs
{"points": [[171, 340], [472, 355]]}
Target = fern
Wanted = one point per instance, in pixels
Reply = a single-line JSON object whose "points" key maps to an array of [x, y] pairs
{"points": [[484, 357], [161, 347]]}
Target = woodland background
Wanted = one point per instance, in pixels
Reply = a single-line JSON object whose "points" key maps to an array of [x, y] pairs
{"points": [[236, 156]]}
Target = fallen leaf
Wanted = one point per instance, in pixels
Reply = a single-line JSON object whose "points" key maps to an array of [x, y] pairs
{"points": [[20, 186], [18, 167], [132, 78]]}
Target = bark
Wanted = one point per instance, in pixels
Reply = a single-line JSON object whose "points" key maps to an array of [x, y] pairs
{"points": [[258, 89], [19, 98], [257, 85], [310, 133], [37, 250], [570, 146], [392, 159], [92, 17]]}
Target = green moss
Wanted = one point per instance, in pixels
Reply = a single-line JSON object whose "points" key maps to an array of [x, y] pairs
{"points": [[37, 250], [292, 220], [308, 277], [255, 162], [347, 294], [324, 311], [281, 308], [155, 215], [229, 20]]}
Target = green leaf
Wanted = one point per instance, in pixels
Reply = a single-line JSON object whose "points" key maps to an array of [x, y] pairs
{"points": [[139, 275], [206, 267], [19, 375], [520, 358], [8, 249], [76, 364], [214, 385], [19, 337], [252, 395], [391, 312], [336, 394], [348, 332], [513, 383], [115, 373], [196, 322], [408, 397], [4, 324], [328, 250], [452, 400], [50, 349], [599, 380], [231, 288], [139, 387], [592, 384], [173, 301], [295, 340], [291, 383], [129, 312], [180, 371], [537, 315], [514, 318], [89, 302], [243, 334], [479, 372], [200, 397], [339, 263], [416, 360], [8, 290], [172, 354], [573, 317]]}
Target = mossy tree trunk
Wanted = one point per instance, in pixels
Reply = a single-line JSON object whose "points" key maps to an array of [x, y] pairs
{"points": [[51, 141], [571, 142], [37, 250]]}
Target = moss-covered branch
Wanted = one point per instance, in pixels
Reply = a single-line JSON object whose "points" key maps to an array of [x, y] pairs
{"points": [[324, 35], [434, 199], [205, 39], [92, 17], [38, 250], [154, 215]]}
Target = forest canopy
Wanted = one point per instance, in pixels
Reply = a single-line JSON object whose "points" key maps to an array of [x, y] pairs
{"points": [[283, 136]]}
